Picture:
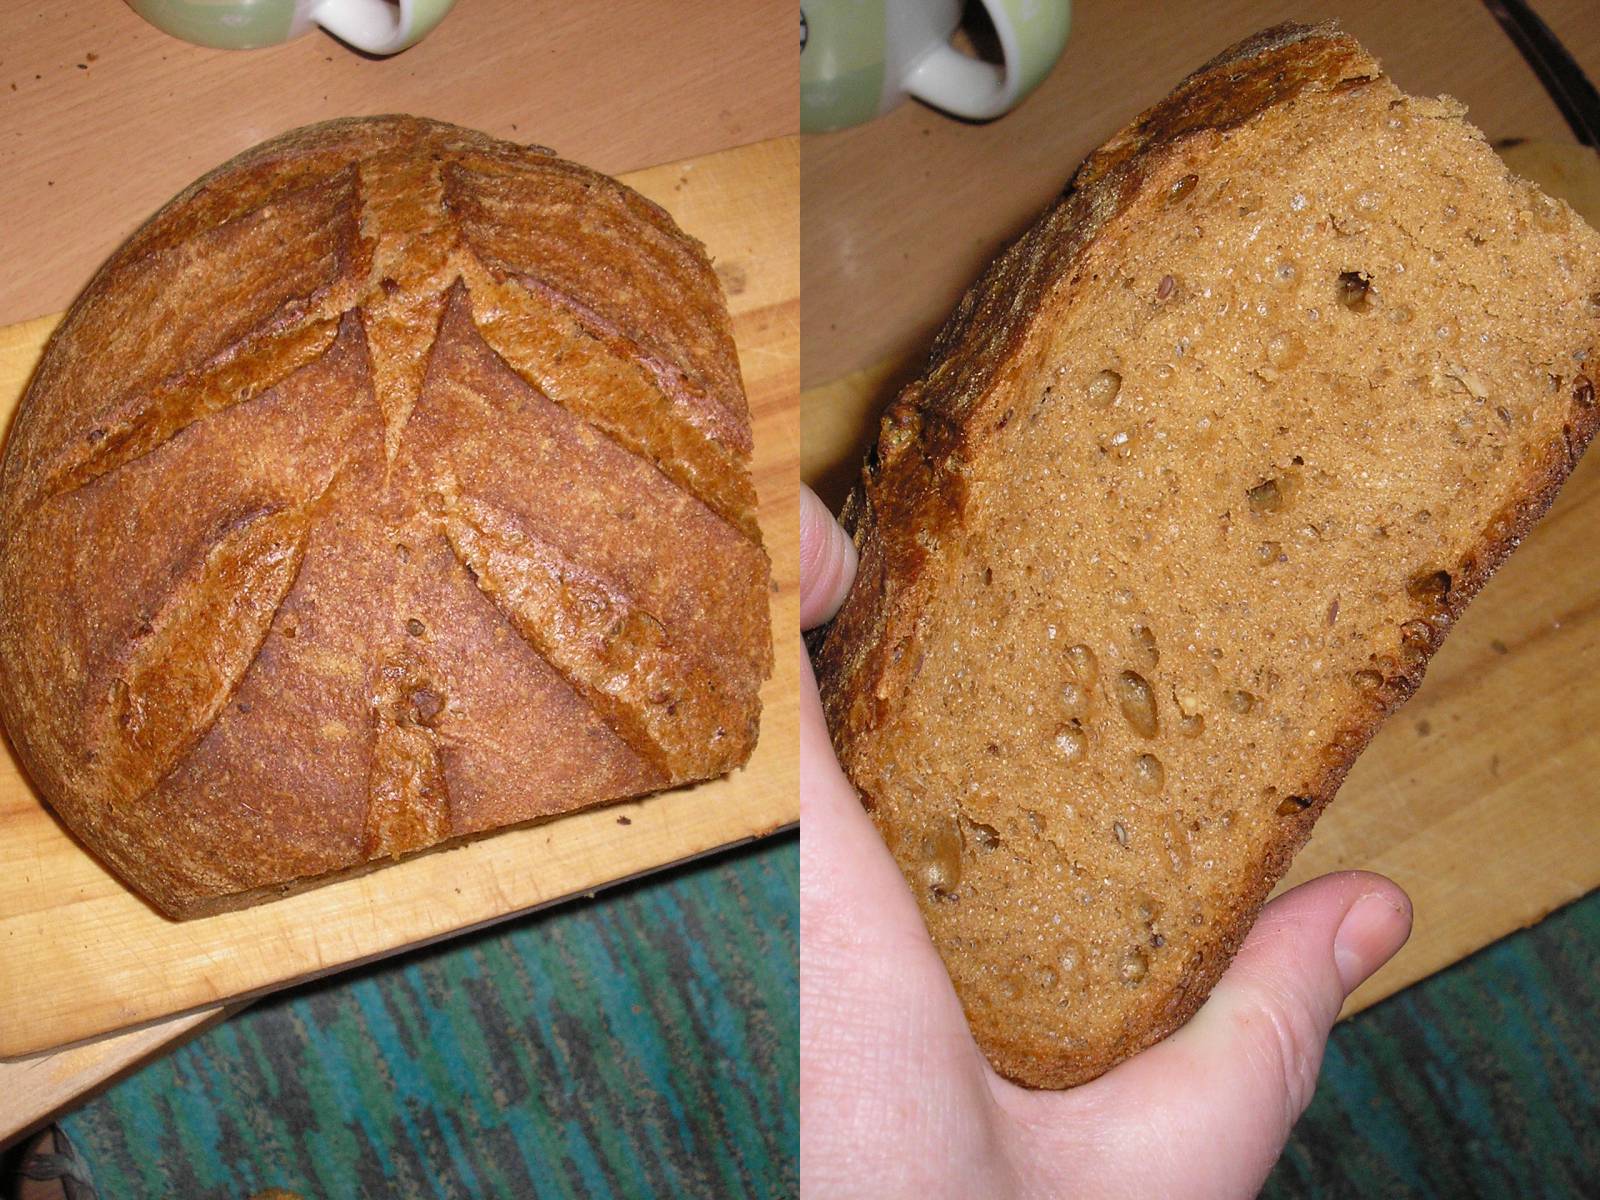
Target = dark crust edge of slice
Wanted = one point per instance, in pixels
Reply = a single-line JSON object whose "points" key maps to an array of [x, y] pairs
{"points": [[911, 491]]}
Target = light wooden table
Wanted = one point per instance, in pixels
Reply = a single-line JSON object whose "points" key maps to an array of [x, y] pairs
{"points": [[102, 118]]}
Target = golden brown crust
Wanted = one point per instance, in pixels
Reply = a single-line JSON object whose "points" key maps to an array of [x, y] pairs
{"points": [[390, 485], [908, 514]]}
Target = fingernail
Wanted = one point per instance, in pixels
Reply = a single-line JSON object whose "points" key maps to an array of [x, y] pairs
{"points": [[1371, 932]]}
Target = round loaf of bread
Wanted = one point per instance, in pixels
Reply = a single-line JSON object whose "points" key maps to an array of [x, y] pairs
{"points": [[390, 485]]}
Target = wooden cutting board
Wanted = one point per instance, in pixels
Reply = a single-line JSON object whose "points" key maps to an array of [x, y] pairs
{"points": [[80, 955], [1481, 797]]}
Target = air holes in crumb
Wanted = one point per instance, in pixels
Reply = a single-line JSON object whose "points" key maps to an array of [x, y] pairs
{"points": [[1147, 908], [1417, 637], [1290, 805], [1353, 291], [1149, 776], [1138, 703], [1084, 664], [1549, 215], [1182, 188], [1285, 350], [1135, 966], [941, 860], [1145, 650], [1265, 497], [1072, 742], [984, 837], [1103, 388], [1432, 587]]}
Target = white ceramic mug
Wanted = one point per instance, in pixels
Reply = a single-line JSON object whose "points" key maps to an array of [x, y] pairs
{"points": [[860, 58], [375, 26]]}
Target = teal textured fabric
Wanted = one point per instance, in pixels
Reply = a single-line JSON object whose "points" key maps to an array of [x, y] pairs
{"points": [[641, 1044], [644, 1045], [1481, 1081]]}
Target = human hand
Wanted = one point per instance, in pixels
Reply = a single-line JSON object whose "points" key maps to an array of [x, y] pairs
{"points": [[896, 1099]]}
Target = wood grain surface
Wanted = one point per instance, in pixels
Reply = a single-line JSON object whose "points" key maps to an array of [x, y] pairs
{"points": [[902, 213], [1481, 797], [104, 117], [81, 955], [35, 1088]]}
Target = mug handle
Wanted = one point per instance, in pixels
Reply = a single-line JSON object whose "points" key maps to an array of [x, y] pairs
{"points": [[1032, 35], [377, 27]]}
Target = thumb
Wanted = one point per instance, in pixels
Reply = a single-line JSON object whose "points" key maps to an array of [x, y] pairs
{"points": [[1226, 1088], [827, 561]]}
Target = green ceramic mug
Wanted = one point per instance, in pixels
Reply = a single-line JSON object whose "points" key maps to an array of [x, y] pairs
{"points": [[860, 58], [376, 26]]}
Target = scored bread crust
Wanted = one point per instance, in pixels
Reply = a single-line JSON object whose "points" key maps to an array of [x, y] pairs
{"points": [[906, 513], [389, 486]]}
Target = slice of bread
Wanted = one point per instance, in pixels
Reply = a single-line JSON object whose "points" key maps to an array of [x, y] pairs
{"points": [[1199, 475]]}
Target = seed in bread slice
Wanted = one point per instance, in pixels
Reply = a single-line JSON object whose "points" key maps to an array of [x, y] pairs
{"points": [[1199, 475]]}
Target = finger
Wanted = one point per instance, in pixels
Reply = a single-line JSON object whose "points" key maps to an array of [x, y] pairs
{"points": [[883, 1042], [1216, 1100], [853, 894], [827, 561]]}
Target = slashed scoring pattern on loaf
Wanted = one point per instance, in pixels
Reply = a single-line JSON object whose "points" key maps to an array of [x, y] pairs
{"points": [[454, 454]]}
